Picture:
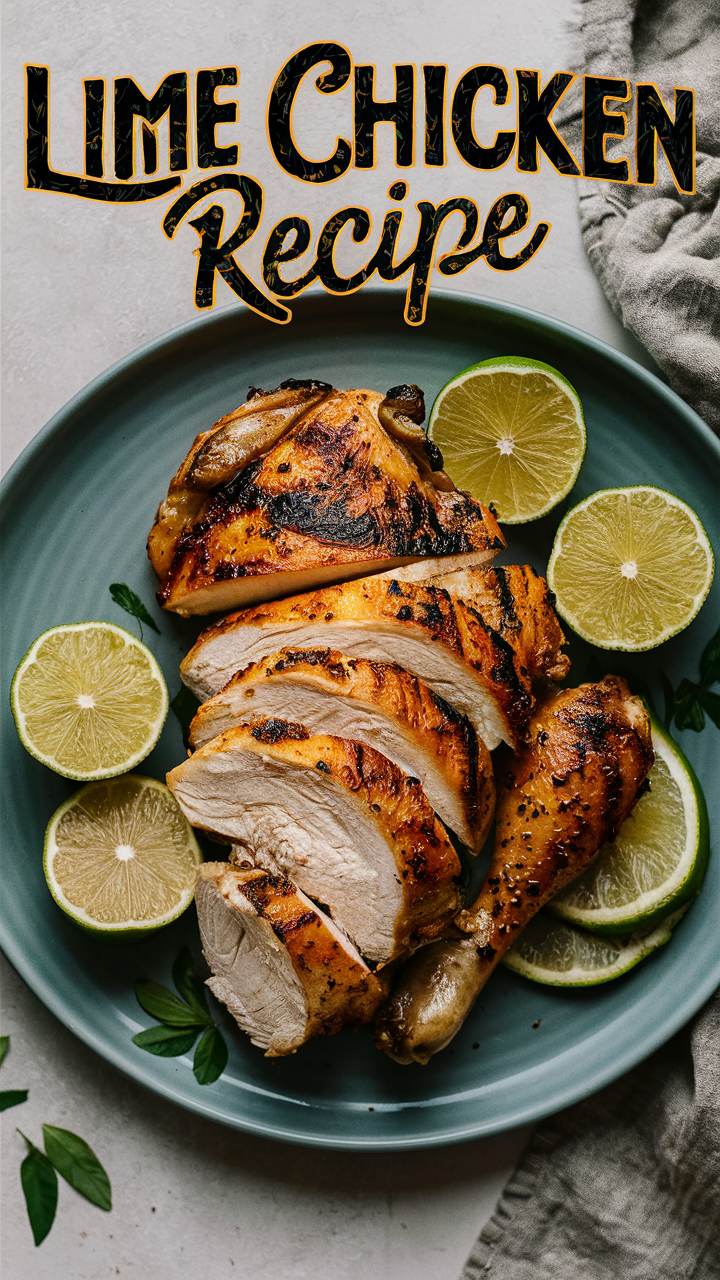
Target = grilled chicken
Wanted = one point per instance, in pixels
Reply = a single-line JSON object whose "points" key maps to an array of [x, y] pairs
{"points": [[305, 486], [345, 824], [562, 797], [484, 672], [378, 704], [516, 603], [283, 969]]}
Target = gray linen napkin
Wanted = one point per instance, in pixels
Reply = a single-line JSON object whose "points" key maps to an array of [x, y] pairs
{"points": [[626, 1186], [656, 251]]}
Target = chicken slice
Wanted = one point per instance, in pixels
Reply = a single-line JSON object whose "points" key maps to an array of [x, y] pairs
{"points": [[290, 493], [283, 969], [440, 638], [378, 704], [345, 824], [562, 797], [514, 601]]}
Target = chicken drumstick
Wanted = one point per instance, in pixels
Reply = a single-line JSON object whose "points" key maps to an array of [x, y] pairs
{"points": [[563, 795]]}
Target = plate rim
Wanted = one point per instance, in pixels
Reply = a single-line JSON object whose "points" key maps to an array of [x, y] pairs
{"points": [[54, 1001]]}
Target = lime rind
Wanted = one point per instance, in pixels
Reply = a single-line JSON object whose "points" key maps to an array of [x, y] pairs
{"points": [[685, 878], [154, 729], [593, 960], [521, 364], [130, 930], [620, 643]]}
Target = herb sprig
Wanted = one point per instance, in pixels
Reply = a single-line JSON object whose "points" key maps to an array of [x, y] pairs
{"points": [[65, 1154], [184, 1017], [688, 704], [132, 604]]}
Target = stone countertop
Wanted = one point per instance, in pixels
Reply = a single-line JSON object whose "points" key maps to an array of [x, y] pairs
{"points": [[85, 284]]}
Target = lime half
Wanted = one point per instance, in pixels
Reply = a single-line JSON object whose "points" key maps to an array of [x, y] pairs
{"points": [[657, 860], [630, 567], [559, 955], [89, 700], [120, 857], [512, 433]]}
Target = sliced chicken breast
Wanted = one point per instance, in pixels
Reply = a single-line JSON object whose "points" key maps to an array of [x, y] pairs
{"points": [[378, 704], [345, 824], [305, 486], [283, 969], [441, 638]]}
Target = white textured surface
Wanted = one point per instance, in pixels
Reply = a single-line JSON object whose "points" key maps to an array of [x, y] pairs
{"points": [[84, 285]]}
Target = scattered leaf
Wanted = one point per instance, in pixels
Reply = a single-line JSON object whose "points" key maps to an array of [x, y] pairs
{"points": [[710, 702], [78, 1164], [168, 1008], [688, 712], [4, 1046], [184, 706], [190, 984], [166, 1042], [12, 1098], [211, 1056], [40, 1188], [710, 661], [132, 604]]}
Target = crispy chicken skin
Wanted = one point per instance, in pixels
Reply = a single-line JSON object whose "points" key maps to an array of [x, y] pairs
{"points": [[345, 824], [379, 704], [302, 487], [560, 799], [484, 672], [283, 969]]}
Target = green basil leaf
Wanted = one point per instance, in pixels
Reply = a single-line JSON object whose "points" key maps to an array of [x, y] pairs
{"points": [[40, 1188], [184, 707], [710, 703], [78, 1164], [669, 699], [166, 1007], [710, 661], [166, 1042], [211, 1056], [4, 1046], [132, 604], [12, 1098], [688, 712], [190, 984]]}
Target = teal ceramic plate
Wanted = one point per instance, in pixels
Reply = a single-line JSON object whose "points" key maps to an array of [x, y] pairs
{"points": [[77, 509]]}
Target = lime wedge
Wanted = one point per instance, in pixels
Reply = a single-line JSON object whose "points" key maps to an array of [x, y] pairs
{"points": [[559, 955], [630, 567], [89, 700], [512, 433], [658, 859], [120, 857]]}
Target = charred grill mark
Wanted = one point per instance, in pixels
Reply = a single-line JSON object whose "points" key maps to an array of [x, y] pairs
{"points": [[503, 672], [273, 731], [284, 927], [510, 620], [302, 657], [408, 399], [394, 588]]}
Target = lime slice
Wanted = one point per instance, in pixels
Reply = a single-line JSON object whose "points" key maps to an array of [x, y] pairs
{"points": [[120, 857], [512, 434], [658, 859], [630, 567], [560, 955], [89, 700]]}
